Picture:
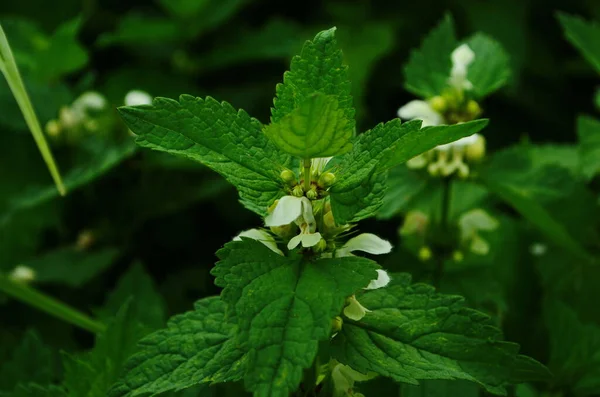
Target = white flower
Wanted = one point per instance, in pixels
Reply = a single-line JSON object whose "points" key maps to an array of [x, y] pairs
{"points": [[262, 236], [343, 377], [137, 97], [461, 57], [366, 242], [354, 310], [538, 249], [470, 223], [318, 164], [287, 210], [461, 143], [382, 280], [422, 110], [22, 274], [89, 100]]}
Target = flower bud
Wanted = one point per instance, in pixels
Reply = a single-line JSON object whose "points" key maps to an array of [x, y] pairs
{"points": [[438, 103], [53, 128], [22, 274], [458, 256], [288, 177], [473, 109], [476, 151], [297, 191], [321, 246], [336, 324], [312, 194], [425, 254], [326, 180], [85, 240], [137, 97]]}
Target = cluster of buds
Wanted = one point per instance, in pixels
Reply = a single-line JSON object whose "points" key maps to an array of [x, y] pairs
{"points": [[316, 188]]}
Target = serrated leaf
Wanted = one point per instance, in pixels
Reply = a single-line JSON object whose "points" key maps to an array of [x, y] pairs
{"points": [[315, 128], [215, 134], [31, 361], [359, 188], [491, 68], [92, 374], [583, 35], [588, 131], [574, 349], [284, 307], [319, 68], [412, 333], [196, 347], [71, 266], [429, 66], [147, 306]]}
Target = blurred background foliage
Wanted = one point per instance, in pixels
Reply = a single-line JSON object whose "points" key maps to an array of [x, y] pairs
{"points": [[144, 224]]}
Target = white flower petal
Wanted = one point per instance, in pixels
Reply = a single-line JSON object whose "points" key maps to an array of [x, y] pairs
{"points": [[418, 109], [22, 274], [366, 242], [262, 236], [310, 239], [90, 100], [381, 281], [307, 215], [294, 241], [319, 163], [344, 376], [137, 97], [286, 211], [462, 56], [354, 310], [459, 144]]}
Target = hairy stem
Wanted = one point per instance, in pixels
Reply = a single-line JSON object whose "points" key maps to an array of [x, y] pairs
{"points": [[49, 305], [444, 227], [307, 164]]}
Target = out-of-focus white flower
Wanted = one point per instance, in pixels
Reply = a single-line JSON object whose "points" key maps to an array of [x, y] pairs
{"points": [[470, 223], [22, 274], [538, 249], [421, 110], [260, 235], [366, 242], [89, 101], [137, 97], [461, 143], [461, 57], [344, 377]]}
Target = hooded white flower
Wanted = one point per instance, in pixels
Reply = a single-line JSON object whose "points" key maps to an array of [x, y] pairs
{"points": [[354, 310], [299, 210], [260, 235], [366, 242], [22, 274], [422, 110], [89, 101], [382, 280], [470, 223], [318, 164], [343, 377], [137, 97], [461, 57]]}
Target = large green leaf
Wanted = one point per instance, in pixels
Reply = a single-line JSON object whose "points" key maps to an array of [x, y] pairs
{"points": [[413, 333], [318, 68], [588, 131], [583, 35], [215, 134], [317, 127], [92, 374], [284, 307], [196, 347], [429, 66], [490, 69]]}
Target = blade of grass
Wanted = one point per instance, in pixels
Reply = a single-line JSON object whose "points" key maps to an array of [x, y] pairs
{"points": [[8, 67], [49, 305]]}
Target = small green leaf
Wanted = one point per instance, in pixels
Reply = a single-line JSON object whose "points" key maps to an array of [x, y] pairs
{"points": [[71, 266], [215, 134], [147, 306], [92, 374], [583, 35], [490, 69], [319, 68], [284, 307], [588, 131], [429, 67], [316, 128], [194, 348], [413, 333], [31, 361]]}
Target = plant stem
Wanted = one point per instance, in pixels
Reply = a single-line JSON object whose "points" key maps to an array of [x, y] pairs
{"points": [[444, 228], [8, 67], [49, 305], [307, 164]]}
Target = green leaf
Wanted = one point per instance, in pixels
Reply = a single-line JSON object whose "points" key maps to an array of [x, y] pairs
{"points": [[31, 361], [490, 69], [413, 333], [194, 348], [359, 188], [404, 186], [574, 349], [92, 374], [284, 307], [583, 35], [318, 68], [203, 15], [141, 30], [147, 306], [588, 131], [34, 390], [440, 388], [428, 68], [71, 266], [316, 128], [215, 134]]}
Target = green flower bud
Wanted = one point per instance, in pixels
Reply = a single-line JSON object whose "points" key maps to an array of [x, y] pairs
{"points": [[288, 177], [312, 194], [458, 256], [326, 180], [425, 254], [53, 128], [473, 109], [297, 191], [438, 103], [284, 231], [321, 246], [336, 324], [476, 151]]}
